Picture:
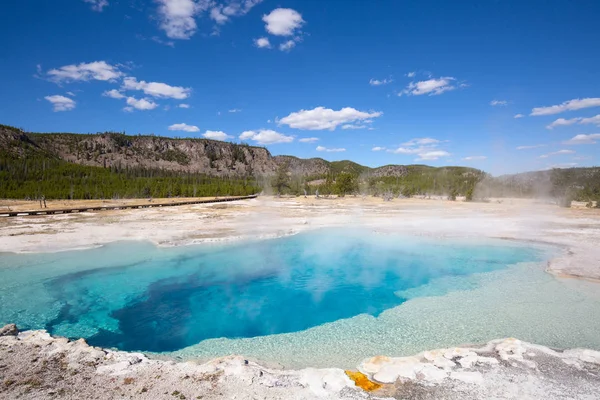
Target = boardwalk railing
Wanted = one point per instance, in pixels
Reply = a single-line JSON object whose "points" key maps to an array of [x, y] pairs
{"points": [[5, 213]]}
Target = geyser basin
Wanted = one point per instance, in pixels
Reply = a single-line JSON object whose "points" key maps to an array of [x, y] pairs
{"points": [[310, 299]]}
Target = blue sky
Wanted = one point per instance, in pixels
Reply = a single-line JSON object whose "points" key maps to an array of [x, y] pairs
{"points": [[384, 82]]}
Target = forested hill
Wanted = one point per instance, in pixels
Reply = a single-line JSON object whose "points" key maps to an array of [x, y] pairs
{"points": [[108, 165], [189, 155]]}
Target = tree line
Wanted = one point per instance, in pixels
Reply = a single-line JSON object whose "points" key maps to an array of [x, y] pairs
{"points": [[40, 176]]}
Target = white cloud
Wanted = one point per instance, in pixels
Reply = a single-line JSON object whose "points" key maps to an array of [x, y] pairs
{"points": [[432, 155], [221, 13], [114, 93], [330, 150], [184, 128], [156, 89], [563, 122], [217, 16], [431, 87], [535, 146], [425, 148], [422, 142], [235, 110], [518, 116], [571, 105], [61, 103], [98, 70], [579, 120], [287, 46], [321, 118], [411, 74], [352, 126], [556, 153], [562, 165], [406, 150], [283, 21], [262, 43], [177, 17], [71, 94], [266, 136], [141, 104], [309, 140], [97, 5], [158, 40], [474, 158], [583, 139], [216, 135], [183, 105], [592, 120], [498, 103], [377, 82], [377, 148]]}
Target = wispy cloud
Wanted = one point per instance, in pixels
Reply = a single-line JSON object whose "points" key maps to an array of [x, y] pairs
{"points": [[426, 148], [140, 104], [475, 158], [113, 93], [378, 148], [97, 5], [266, 136], [583, 139], [571, 105], [156, 89], [322, 118], [498, 103], [557, 153], [422, 142], [330, 150], [518, 116], [61, 103], [431, 87], [535, 146], [287, 46], [432, 155], [352, 126], [177, 18], [579, 120], [562, 166], [377, 82], [309, 140], [97, 70]]}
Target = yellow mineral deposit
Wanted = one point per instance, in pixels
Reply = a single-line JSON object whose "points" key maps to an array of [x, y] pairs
{"points": [[362, 381]]}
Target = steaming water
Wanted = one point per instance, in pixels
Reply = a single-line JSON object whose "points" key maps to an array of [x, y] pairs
{"points": [[325, 298]]}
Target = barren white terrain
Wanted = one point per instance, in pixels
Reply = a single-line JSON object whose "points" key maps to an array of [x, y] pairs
{"points": [[35, 365]]}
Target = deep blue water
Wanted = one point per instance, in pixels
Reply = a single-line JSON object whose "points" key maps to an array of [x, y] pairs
{"points": [[134, 296]]}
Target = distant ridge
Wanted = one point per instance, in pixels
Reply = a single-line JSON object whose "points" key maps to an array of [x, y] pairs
{"points": [[211, 157]]}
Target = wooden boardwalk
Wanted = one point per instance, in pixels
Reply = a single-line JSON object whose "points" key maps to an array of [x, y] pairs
{"points": [[4, 213]]}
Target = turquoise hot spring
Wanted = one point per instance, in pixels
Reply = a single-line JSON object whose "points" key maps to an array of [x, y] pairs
{"points": [[327, 297]]}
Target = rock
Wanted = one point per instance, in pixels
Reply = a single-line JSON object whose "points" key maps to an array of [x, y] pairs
{"points": [[9, 330], [467, 377], [458, 352], [511, 349], [430, 373], [468, 361]]}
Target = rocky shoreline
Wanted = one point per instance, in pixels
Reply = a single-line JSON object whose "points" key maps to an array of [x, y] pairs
{"points": [[35, 365]]}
